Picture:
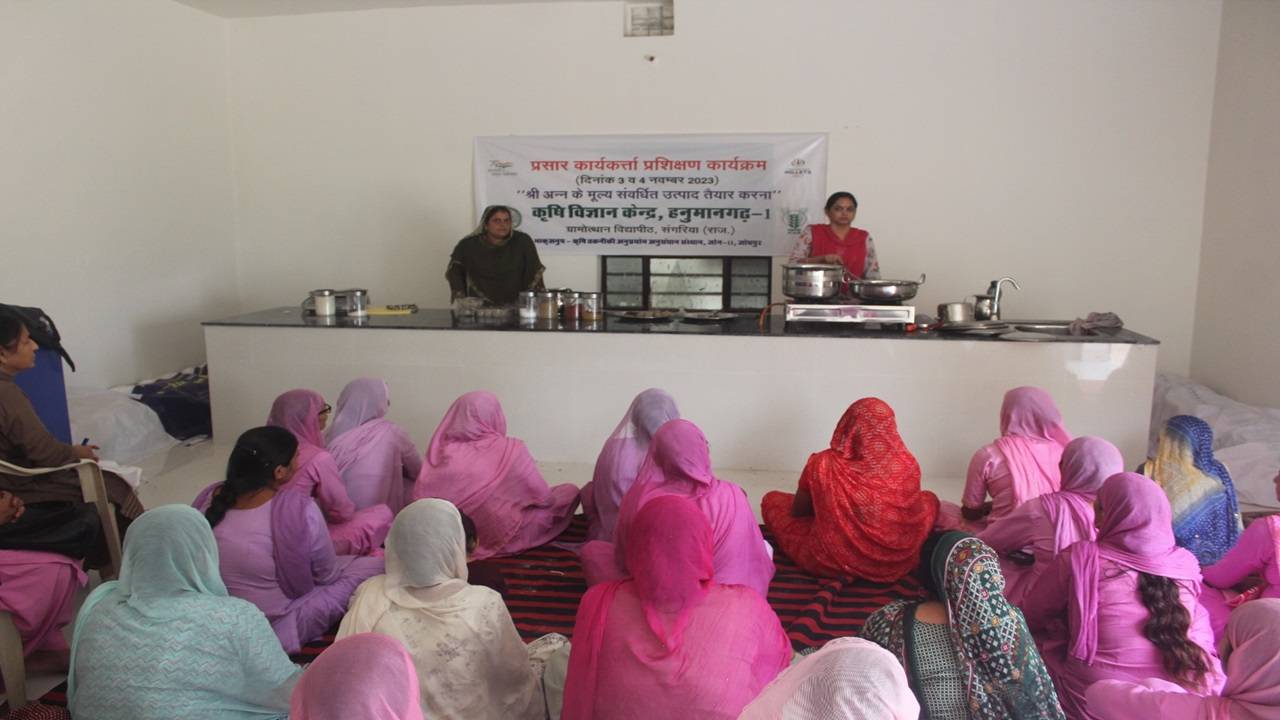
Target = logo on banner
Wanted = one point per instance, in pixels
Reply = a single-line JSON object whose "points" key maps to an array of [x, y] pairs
{"points": [[798, 168], [795, 220], [501, 167]]}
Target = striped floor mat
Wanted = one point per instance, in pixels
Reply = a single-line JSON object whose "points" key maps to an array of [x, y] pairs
{"points": [[545, 584]]}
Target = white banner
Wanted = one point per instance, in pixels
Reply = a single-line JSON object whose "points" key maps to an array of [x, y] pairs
{"points": [[656, 194]]}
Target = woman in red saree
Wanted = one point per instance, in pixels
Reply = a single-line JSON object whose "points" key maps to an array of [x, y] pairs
{"points": [[858, 510]]}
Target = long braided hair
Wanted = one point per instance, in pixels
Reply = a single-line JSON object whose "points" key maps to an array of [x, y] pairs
{"points": [[252, 466]]}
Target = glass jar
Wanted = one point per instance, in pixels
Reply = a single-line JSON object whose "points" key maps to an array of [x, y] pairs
{"points": [[547, 307], [589, 307], [570, 306], [527, 305]]}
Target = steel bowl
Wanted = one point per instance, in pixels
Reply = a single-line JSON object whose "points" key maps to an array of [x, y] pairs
{"points": [[885, 290]]}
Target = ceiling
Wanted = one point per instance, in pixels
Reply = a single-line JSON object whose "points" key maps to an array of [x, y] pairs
{"points": [[264, 8]]}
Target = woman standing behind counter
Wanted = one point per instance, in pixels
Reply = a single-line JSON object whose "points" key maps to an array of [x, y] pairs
{"points": [[839, 242], [496, 262]]}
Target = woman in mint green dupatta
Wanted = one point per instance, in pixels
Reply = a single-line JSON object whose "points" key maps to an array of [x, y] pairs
{"points": [[166, 641]]}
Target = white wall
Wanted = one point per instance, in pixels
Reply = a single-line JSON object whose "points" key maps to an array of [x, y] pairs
{"points": [[115, 183], [1237, 339], [1063, 142]]}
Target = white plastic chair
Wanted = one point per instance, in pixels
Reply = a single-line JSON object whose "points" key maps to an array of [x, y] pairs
{"points": [[94, 490], [13, 669]]}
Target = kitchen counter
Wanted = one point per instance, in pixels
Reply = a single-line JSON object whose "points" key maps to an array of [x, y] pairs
{"points": [[744, 325], [766, 400]]}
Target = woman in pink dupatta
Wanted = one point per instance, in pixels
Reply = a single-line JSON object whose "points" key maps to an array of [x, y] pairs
{"points": [[378, 461], [1021, 464], [1257, 553], [1053, 522], [354, 531], [1252, 692], [1094, 607], [492, 478], [679, 463], [670, 641], [38, 590], [362, 677], [620, 460]]}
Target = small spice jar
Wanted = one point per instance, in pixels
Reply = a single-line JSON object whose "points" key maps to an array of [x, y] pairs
{"points": [[570, 306], [589, 307], [547, 307], [527, 305]]}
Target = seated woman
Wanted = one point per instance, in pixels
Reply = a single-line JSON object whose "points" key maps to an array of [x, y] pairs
{"points": [[492, 478], [1053, 522], [1252, 656], [354, 531], [1124, 606], [839, 242], [166, 642], [848, 678], [470, 659], [1021, 464], [274, 547], [966, 650], [858, 511], [55, 499], [38, 590], [1206, 516], [670, 641], [495, 262], [1257, 553], [378, 461], [679, 463], [366, 676], [620, 460]]}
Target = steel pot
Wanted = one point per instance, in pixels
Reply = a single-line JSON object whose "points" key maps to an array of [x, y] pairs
{"points": [[955, 312], [812, 281], [885, 290]]}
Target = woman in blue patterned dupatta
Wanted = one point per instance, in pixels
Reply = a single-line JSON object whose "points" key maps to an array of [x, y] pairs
{"points": [[166, 641], [1206, 516], [967, 651]]}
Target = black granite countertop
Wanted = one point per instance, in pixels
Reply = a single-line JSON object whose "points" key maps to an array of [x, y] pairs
{"points": [[743, 325]]}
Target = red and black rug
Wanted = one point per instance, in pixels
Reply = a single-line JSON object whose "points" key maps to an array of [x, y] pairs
{"points": [[545, 584]]}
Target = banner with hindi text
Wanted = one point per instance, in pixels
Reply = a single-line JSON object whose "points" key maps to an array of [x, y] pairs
{"points": [[656, 194]]}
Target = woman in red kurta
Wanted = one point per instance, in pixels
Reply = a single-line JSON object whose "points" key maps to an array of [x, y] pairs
{"points": [[839, 242], [859, 510]]}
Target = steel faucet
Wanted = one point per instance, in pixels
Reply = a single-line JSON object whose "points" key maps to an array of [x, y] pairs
{"points": [[994, 290]]}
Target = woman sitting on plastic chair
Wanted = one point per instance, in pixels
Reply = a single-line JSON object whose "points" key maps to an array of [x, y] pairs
{"points": [[54, 516]]}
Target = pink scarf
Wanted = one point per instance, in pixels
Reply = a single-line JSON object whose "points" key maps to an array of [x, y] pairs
{"points": [[362, 400], [1086, 463], [298, 411], [1136, 532], [1031, 439], [470, 453], [671, 567], [368, 676], [1253, 667], [622, 455], [679, 463]]}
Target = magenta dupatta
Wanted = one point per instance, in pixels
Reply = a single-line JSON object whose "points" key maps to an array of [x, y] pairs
{"points": [[1031, 440], [290, 538], [670, 560], [298, 411], [1086, 463], [1136, 531], [621, 457], [679, 463]]}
